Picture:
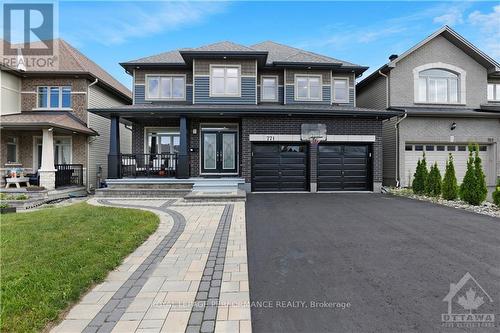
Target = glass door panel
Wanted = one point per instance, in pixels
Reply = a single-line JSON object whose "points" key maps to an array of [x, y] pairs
{"points": [[219, 152], [229, 151], [210, 151]]}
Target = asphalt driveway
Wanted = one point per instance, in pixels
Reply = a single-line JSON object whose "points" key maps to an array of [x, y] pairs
{"points": [[392, 259]]}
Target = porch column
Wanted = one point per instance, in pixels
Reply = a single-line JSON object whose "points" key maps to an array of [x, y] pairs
{"points": [[114, 164], [47, 170], [183, 156]]}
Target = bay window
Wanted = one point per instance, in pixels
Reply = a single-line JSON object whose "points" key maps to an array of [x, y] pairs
{"points": [[308, 87], [225, 81], [438, 86], [54, 97], [160, 87]]}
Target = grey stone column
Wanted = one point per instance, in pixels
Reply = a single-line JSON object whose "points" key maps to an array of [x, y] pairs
{"points": [[114, 160], [183, 156]]}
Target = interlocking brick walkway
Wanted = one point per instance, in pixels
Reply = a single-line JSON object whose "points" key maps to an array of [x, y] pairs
{"points": [[156, 287]]}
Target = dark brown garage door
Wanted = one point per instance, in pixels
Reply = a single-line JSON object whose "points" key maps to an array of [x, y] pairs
{"points": [[344, 167], [279, 167]]}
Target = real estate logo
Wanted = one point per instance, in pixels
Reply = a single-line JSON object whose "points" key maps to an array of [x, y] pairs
{"points": [[469, 305], [28, 35]]}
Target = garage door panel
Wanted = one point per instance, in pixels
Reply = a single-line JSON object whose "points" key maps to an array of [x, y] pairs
{"points": [[343, 167], [279, 167]]}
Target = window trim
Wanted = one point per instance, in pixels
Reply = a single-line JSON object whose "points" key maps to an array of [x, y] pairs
{"points": [[262, 99], [225, 94], [146, 86], [495, 97], [308, 99], [334, 99], [461, 84], [48, 107], [16, 144]]}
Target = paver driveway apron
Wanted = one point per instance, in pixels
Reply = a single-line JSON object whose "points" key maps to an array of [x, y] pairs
{"points": [[191, 275]]}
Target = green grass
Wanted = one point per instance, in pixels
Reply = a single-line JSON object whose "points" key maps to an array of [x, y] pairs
{"points": [[50, 257]]}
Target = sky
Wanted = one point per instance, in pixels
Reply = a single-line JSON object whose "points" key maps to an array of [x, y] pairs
{"points": [[364, 33]]}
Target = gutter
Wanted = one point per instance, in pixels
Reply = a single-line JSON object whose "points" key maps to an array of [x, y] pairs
{"points": [[396, 126]]}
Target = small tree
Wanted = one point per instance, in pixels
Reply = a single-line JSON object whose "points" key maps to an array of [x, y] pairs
{"points": [[420, 176], [450, 186], [496, 194], [434, 182], [469, 187], [481, 179]]}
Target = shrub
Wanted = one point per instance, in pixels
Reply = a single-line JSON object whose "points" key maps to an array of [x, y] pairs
{"points": [[469, 189], [496, 194], [450, 186], [434, 182], [481, 179], [22, 197], [420, 177], [4, 205]]}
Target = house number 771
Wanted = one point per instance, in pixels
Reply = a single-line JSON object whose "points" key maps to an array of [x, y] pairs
{"points": [[270, 137]]}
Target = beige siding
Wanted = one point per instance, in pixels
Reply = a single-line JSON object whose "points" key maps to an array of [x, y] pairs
{"points": [[99, 146], [10, 95], [202, 66], [326, 75], [389, 151], [374, 95]]}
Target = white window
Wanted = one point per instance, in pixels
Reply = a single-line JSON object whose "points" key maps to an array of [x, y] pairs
{"points": [[341, 90], [225, 81], [269, 88], [165, 87], [11, 149], [493, 91], [308, 87], [54, 97], [438, 86]]}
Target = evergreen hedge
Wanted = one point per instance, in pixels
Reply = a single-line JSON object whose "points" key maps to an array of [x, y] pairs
{"points": [[434, 182], [481, 178], [471, 189], [496, 194], [420, 176], [450, 185]]}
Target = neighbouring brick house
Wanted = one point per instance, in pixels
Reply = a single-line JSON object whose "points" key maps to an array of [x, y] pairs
{"points": [[450, 92], [277, 117], [46, 129]]}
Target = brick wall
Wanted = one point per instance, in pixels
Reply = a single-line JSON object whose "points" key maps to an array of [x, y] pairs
{"points": [[289, 125], [78, 90]]}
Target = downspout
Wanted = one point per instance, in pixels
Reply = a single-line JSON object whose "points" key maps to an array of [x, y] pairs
{"points": [[88, 138], [387, 103], [396, 126]]}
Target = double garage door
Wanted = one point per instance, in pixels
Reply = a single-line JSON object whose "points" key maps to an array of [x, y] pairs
{"points": [[285, 167]]}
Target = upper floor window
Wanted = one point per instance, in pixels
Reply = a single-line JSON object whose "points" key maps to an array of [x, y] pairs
{"points": [[11, 149], [269, 88], [341, 90], [308, 87], [438, 86], [225, 80], [165, 87], [493, 91], [54, 97]]}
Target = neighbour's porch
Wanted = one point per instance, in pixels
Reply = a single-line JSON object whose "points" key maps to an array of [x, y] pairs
{"points": [[44, 148]]}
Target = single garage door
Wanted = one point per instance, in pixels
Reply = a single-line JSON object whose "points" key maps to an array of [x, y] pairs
{"points": [[279, 167], [344, 167], [438, 152]]}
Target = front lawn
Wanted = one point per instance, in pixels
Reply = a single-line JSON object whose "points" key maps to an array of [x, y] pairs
{"points": [[50, 257]]}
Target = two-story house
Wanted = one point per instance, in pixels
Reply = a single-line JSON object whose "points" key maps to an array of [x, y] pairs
{"points": [[450, 92], [46, 129], [277, 117]]}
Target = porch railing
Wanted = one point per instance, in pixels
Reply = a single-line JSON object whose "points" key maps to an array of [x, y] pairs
{"points": [[69, 175], [148, 165]]}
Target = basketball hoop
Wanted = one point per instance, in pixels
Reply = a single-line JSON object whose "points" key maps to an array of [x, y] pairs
{"points": [[315, 139], [314, 133]]}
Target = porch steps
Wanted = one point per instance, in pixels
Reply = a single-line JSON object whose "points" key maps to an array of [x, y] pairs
{"points": [[197, 196], [217, 185]]}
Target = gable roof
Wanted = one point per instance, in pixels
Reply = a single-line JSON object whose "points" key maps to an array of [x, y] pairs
{"points": [[274, 54], [72, 61], [452, 36]]}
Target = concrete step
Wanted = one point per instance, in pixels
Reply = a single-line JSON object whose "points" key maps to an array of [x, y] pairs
{"points": [[140, 193], [198, 196]]}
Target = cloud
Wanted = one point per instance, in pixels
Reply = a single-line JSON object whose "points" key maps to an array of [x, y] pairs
{"points": [[453, 16], [108, 25], [488, 24]]}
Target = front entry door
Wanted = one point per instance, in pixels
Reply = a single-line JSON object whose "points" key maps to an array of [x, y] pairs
{"points": [[218, 152]]}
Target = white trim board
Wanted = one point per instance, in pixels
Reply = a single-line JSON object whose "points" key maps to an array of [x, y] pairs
{"points": [[296, 138]]}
